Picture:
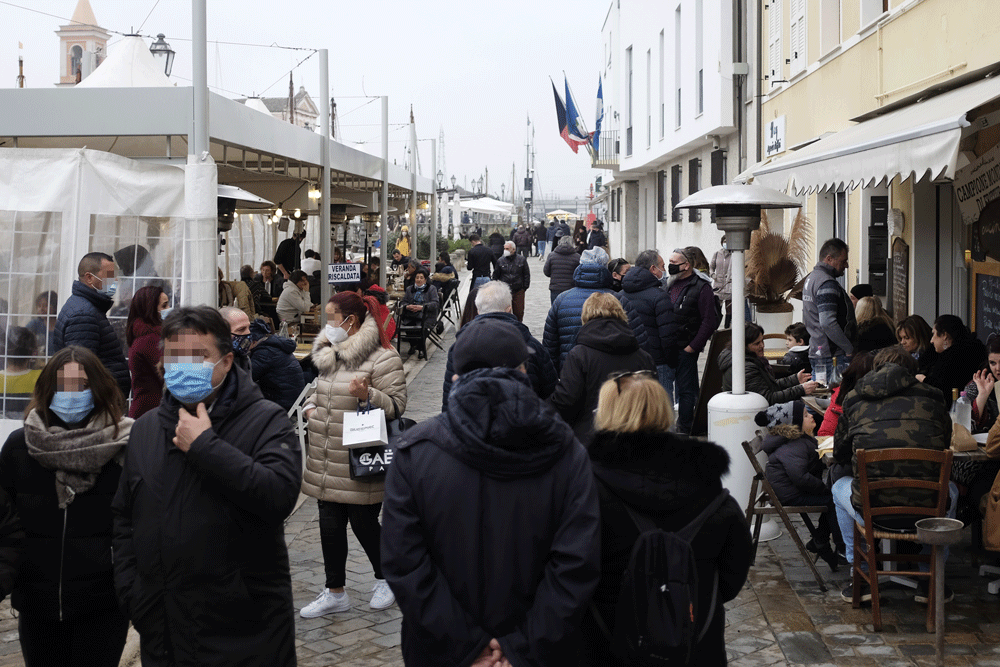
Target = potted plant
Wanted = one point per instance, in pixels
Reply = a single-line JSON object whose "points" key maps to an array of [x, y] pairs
{"points": [[776, 265]]}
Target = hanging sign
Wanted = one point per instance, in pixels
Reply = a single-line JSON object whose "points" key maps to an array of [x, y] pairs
{"points": [[344, 273], [977, 184], [774, 137]]}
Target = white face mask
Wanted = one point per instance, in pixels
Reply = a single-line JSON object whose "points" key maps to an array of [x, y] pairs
{"points": [[336, 334], [507, 253]]}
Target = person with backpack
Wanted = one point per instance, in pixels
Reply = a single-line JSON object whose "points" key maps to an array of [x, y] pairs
{"points": [[660, 493]]}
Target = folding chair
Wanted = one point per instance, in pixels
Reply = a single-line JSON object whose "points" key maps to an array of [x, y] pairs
{"points": [[451, 305], [767, 503], [298, 418], [895, 522], [421, 332]]}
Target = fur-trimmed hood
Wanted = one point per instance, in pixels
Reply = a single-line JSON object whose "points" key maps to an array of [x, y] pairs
{"points": [[352, 352]]}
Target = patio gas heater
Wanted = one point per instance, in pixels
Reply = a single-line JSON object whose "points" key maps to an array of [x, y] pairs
{"points": [[731, 414]]}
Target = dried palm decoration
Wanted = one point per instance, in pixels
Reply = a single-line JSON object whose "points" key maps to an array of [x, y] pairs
{"points": [[775, 264]]}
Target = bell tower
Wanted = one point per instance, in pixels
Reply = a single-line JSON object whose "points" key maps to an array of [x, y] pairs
{"points": [[83, 45]]}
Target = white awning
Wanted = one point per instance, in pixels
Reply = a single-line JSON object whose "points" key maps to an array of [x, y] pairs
{"points": [[916, 140]]}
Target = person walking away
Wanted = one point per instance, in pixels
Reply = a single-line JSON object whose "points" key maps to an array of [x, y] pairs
{"points": [[522, 240], [605, 345], [563, 321], [142, 333], [722, 279], [651, 313], [560, 266], [516, 592], [642, 469], [827, 310], [480, 261], [83, 320], [695, 313], [513, 269], [492, 302], [200, 562], [541, 237], [357, 367], [596, 237], [61, 471]]}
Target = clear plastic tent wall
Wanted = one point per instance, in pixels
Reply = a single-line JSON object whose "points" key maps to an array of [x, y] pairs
{"points": [[57, 205]]}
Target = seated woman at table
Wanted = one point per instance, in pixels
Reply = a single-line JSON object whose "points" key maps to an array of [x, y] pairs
{"points": [[861, 364], [794, 471], [294, 300], [959, 356], [759, 375], [980, 391], [875, 327], [914, 334], [419, 308]]}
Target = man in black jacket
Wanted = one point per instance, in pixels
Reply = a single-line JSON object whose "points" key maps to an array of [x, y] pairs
{"points": [[493, 303], [512, 268], [269, 358], [201, 566], [481, 261], [83, 319], [650, 312], [480, 568]]}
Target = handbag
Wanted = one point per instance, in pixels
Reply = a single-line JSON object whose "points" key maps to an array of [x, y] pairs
{"points": [[370, 464]]}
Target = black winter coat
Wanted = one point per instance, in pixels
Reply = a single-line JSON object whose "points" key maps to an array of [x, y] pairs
{"points": [[791, 463], [559, 267], [201, 566], [273, 368], [83, 321], [760, 379], [514, 271], [65, 571], [650, 314], [480, 261], [669, 479], [873, 335], [490, 528], [541, 370], [596, 239], [954, 368], [603, 346]]}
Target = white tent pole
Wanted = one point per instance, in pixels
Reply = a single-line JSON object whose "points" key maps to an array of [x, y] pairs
{"points": [[434, 205], [325, 246], [384, 229]]}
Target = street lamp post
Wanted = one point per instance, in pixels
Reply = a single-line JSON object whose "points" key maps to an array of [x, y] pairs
{"points": [[731, 414], [163, 53]]}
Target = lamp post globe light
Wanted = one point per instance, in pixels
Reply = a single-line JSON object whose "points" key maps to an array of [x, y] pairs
{"points": [[731, 414], [163, 53], [453, 180], [440, 179]]}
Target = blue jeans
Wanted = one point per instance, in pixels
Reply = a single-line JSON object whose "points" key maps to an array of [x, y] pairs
{"points": [[552, 296], [480, 281], [684, 380], [828, 361], [665, 374], [847, 515], [541, 248]]}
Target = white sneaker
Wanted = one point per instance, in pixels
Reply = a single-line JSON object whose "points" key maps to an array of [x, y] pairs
{"points": [[382, 597], [326, 603]]}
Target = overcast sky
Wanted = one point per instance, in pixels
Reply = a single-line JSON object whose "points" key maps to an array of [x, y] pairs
{"points": [[476, 69]]}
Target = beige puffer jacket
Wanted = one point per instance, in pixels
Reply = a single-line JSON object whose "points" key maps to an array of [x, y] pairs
{"points": [[327, 475]]}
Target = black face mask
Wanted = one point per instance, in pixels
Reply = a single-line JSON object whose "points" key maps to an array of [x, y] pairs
{"points": [[673, 269], [241, 344]]}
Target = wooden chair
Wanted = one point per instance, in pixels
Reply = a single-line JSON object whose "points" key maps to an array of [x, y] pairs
{"points": [[767, 503], [895, 522]]}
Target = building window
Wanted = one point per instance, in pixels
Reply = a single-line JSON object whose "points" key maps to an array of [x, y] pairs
{"points": [[872, 9], [649, 98], [797, 37], [661, 196], [675, 192], [663, 107], [699, 48], [678, 54], [829, 25], [618, 216], [628, 110], [75, 61], [774, 26], [694, 184]]}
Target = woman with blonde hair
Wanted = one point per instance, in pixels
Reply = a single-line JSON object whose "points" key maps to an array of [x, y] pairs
{"points": [[876, 329], [645, 473], [605, 344]]}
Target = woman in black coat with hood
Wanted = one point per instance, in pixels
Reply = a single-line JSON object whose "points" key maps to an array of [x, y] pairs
{"points": [[670, 479], [959, 356], [605, 344]]}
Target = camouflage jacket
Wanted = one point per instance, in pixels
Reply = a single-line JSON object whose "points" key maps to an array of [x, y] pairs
{"points": [[890, 408]]}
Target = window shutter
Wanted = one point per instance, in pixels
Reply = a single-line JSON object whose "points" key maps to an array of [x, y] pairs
{"points": [[797, 35], [675, 192], [774, 26]]}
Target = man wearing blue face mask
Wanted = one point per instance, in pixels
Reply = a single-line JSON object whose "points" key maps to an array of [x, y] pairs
{"points": [[83, 320], [198, 518]]}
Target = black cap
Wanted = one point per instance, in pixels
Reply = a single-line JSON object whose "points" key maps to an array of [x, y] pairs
{"points": [[489, 343], [861, 290]]}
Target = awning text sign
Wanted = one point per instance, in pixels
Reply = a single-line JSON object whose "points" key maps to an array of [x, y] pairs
{"points": [[977, 184], [344, 273]]}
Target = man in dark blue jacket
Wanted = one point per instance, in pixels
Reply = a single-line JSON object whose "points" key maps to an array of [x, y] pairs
{"points": [[83, 320], [650, 312], [482, 571], [493, 302], [563, 321]]}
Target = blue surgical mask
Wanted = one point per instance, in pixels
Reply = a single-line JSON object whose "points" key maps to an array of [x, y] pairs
{"points": [[164, 313], [72, 406], [189, 383], [108, 286]]}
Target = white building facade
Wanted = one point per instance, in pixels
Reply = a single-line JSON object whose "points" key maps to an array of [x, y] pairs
{"points": [[674, 75]]}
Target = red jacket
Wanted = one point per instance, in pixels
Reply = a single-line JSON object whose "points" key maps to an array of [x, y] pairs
{"points": [[143, 360], [831, 417]]}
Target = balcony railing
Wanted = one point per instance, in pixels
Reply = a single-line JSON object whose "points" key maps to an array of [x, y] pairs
{"points": [[608, 150]]}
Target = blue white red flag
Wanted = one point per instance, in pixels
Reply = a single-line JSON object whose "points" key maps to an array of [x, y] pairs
{"points": [[576, 130], [600, 115]]}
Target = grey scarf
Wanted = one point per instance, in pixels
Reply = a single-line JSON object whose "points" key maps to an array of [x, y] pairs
{"points": [[78, 455]]}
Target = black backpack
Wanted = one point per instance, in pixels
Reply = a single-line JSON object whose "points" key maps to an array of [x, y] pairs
{"points": [[658, 602]]}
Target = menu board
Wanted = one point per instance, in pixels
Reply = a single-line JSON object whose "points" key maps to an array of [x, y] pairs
{"points": [[985, 299], [899, 286]]}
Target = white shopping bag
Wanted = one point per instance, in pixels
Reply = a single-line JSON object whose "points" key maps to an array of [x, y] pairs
{"points": [[365, 429]]}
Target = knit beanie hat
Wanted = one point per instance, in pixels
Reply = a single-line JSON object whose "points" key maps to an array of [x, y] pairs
{"points": [[594, 256], [782, 413]]}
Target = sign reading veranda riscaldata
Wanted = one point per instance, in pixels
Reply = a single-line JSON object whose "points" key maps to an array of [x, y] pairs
{"points": [[344, 273]]}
